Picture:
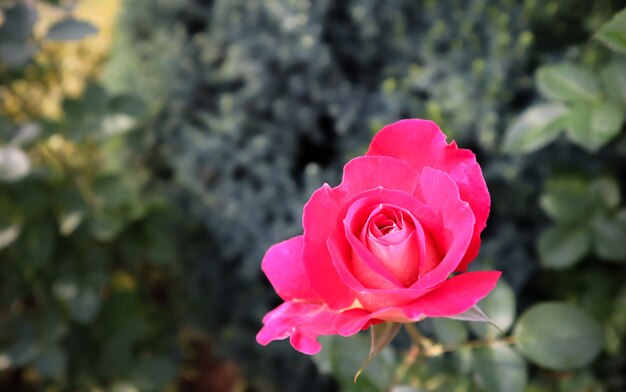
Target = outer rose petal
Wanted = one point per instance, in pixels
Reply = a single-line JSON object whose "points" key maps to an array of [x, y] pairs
{"points": [[365, 173], [302, 322], [461, 166], [283, 267], [421, 144], [442, 195], [319, 219], [454, 296]]}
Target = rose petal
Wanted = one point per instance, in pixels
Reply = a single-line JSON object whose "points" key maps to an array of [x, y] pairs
{"points": [[283, 267], [402, 259], [461, 166], [319, 219], [397, 263], [365, 265], [358, 273], [353, 321], [368, 172], [454, 296], [421, 144], [442, 195], [301, 322]]}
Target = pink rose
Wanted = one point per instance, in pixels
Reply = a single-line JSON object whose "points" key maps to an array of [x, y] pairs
{"points": [[383, 245]]}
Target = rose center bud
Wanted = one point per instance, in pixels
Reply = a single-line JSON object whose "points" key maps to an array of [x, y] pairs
{"points": [[397, 241]]}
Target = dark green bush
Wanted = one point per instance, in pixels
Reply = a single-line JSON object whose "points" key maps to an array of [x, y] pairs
{"points": [[91, 250]]}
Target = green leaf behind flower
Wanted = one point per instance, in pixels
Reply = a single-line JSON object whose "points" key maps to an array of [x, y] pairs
{"points": [[558, 336], [613, 33], [381, 335]]}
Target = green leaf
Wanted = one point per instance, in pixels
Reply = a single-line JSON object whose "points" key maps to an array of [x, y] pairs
{"points": [[558, 336], [154, 373], [72, 109], [500, 368], [94, 98], [343, 356], [462, 360], [565, 199], [499, 305], [592, 126], [609, 237], [563, 246], [70, 29], [605, 193], [535, 128], [14, 164], [36, 243], [580, 382], [8, 234], [567, 82], [607, 120], [113, 124], [84, 306], [21, 352], [381, 335], [613, 78], [51, 326], [26, 134], [448, 331], [474, 314], [116, 355], [68, 222], [613, 33], [51, 363], [105, 227], [65, 289], [129, 105]]}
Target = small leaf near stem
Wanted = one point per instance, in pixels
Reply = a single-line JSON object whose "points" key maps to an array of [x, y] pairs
{"points": [[475, 314], [382, 335]]}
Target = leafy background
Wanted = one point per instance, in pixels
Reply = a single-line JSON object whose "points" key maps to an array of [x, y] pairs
{"points": [[151, 151]]}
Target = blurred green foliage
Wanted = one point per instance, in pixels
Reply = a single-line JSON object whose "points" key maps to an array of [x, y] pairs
{"points": [[144, 210], [90, 248]]}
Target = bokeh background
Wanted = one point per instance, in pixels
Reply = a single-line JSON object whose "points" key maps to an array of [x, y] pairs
{"points": [[152, 150]]}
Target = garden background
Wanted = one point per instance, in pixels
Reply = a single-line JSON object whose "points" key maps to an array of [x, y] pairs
{"points": [[152, 150]]}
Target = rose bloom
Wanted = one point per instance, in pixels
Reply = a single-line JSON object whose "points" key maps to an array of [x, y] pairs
{"points": [[386, 244]]}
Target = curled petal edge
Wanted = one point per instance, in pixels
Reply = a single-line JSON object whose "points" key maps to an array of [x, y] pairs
{"points": [[301, 322]]}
